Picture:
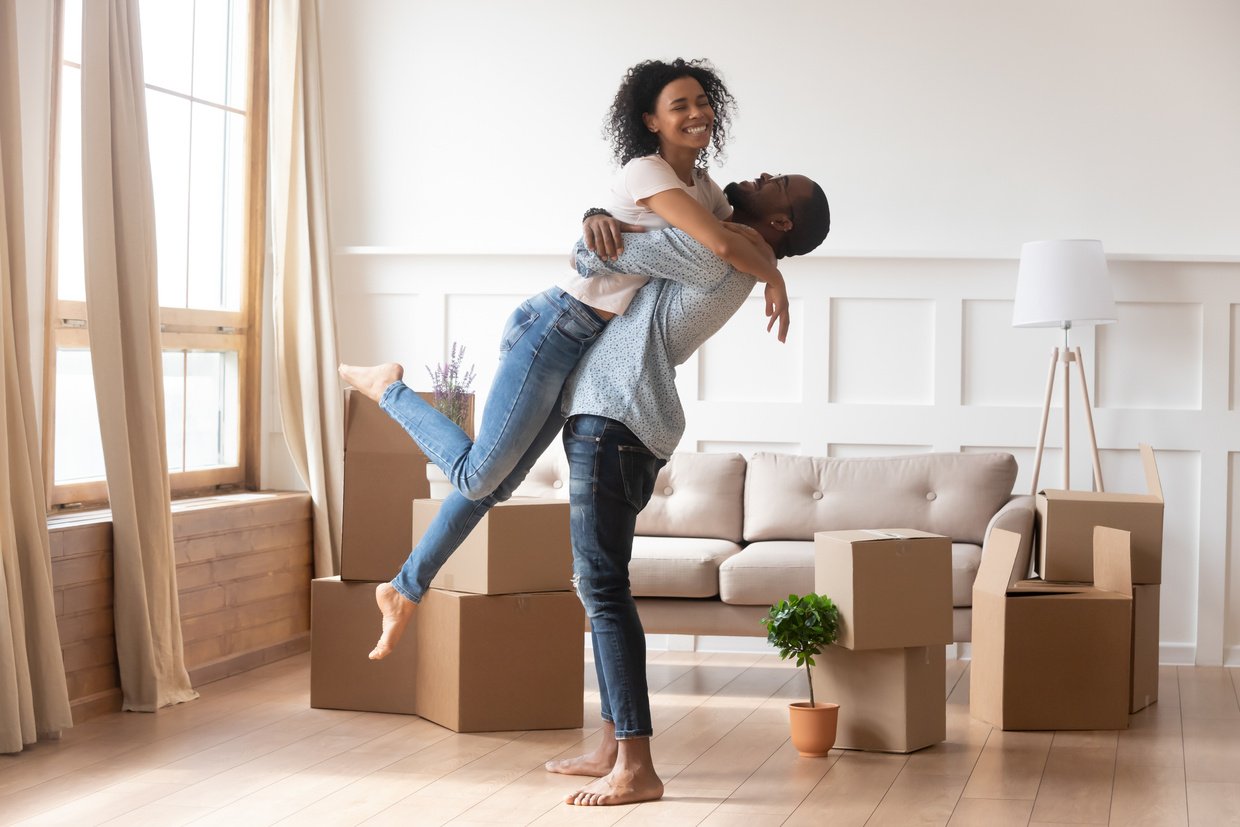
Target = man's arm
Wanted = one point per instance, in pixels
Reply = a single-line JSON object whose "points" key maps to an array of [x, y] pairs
{"points": [[666, 254]]}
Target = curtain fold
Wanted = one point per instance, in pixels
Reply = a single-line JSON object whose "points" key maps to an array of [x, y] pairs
{"points": [[34, 700], [311, 405], [123, 309]]}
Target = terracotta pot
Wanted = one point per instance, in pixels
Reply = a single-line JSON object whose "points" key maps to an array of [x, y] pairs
{"points": [[438, 481], [813, 728]]}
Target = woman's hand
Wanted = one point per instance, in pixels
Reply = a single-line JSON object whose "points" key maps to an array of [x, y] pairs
{"points": [[601, 234]]}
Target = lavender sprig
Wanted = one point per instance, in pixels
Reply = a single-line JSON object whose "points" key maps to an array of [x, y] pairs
{"points": [[451, 386]]}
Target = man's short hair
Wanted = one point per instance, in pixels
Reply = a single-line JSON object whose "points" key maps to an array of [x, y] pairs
{"points": [[811, 223]]}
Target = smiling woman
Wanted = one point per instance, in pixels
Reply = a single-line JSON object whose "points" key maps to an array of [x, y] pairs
{"points": [[199, 65]]}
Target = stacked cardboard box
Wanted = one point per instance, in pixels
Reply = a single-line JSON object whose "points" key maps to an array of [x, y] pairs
{"points": [[1066, 521], [1052, 655], [888, 668], [384, 470]]}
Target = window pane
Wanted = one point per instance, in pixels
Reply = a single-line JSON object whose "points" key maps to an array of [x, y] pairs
{"points": [[220, 51], [70, 277], [71, 34], [207, 205], [168, 125], [167, 43], [78, 447], [174, 408], [211, 425]]}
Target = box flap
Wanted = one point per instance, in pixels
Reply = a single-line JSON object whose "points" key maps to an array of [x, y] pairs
{"points": [[997, 572], [1152, 483], [1113, 560]]}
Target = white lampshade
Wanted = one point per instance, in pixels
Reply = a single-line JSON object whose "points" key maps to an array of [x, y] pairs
{"points": [[1063, 283]]}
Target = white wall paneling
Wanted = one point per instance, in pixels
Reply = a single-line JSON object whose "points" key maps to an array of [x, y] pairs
{"points": [[733, 404], [882, 352], [1138, 370], [708, 446]]}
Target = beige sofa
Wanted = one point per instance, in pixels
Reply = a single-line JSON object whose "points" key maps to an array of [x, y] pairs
{"points": [[722, 538]]}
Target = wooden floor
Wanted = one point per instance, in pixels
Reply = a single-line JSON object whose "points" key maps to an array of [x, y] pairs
{"points": [[251, 751]]}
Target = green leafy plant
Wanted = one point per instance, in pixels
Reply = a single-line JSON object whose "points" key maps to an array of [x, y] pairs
{"points": [[451, 386], [801, 626]]}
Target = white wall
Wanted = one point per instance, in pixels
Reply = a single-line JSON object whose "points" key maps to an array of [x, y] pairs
{"points": [[463, 143]]}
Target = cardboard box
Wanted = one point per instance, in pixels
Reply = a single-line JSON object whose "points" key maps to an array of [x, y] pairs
{"points": [[344, 626], [1066, 521], [383, 471], [522, 545], [1145, 600], [500, 662], [1051, 655], [891, 700], [893, 587]]}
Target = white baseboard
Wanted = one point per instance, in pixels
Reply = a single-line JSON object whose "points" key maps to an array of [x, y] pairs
{"points": [[1231, 656], [1177, 654]]}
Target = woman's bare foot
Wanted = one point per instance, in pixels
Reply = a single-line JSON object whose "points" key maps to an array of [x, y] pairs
{"points": [[597, 763], [397, 612], [371, 381], [619, 787]]}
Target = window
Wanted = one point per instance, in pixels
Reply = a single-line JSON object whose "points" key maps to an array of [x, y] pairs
{"points": [[204, 68]]}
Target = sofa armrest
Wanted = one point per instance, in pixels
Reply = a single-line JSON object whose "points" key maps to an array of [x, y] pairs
{"points": [[1017, 516]]}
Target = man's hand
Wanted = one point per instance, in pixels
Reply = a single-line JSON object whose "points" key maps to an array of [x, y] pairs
{"points": [[776, 295], [601, 234]]}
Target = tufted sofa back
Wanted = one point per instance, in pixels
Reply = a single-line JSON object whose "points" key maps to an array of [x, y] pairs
{"points": [[697, 495], [790, 497]]}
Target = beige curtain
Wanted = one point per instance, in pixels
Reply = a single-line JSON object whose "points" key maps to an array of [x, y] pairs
{"points": [[305, 325], [34, 701], [121, 304]]}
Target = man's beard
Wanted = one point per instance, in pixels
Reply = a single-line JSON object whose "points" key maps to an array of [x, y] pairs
{"points": [[737, 197]]}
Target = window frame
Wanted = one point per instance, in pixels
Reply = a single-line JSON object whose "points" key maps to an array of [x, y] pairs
{"points": [[181, 329]]}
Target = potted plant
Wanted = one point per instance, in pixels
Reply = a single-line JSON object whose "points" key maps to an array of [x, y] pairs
{"points": [[800, 627], [451, 388]]}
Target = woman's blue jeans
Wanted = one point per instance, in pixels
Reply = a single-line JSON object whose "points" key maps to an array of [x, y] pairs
{"points": [[613, 476], [543, 341]]}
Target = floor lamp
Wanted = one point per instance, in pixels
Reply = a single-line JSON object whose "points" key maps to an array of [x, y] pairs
{"points": [[1061, 284]]}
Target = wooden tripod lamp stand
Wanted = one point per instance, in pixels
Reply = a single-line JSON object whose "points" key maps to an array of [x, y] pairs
{"points": [[1061, 284]]}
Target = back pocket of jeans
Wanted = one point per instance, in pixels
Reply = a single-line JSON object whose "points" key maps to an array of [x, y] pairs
{"points": [[576, 329]]}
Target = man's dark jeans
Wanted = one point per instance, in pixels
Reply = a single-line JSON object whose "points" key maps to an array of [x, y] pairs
{"points": [[613, 476]]}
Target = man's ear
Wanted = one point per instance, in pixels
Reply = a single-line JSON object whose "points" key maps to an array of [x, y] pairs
{"points": [[781, 222]]}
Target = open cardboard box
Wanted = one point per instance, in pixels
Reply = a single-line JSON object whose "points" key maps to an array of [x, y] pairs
{"points": [[1066, 521], [1052, 655], [384, 470], [893, 587], [521, 545]]}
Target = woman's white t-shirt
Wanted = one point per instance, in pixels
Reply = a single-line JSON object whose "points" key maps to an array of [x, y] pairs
{"points": [[641, 178]]}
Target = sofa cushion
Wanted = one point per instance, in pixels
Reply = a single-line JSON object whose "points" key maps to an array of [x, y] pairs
{"points": [[766, 572], [790, 497], [677, 566], [697, 495]]}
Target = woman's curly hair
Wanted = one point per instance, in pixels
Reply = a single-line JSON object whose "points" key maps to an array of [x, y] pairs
{"points": [[638, 93]]}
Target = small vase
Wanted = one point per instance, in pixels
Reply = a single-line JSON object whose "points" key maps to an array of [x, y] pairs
{"points": [[438, 481], [813, 728]]}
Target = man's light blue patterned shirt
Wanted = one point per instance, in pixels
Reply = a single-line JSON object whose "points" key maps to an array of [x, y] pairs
{"points": [[629, 375]]}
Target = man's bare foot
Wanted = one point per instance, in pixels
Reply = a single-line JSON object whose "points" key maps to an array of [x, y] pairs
{"points": [[371, 381], [397, 612], [597, 763], [619, 787]]}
